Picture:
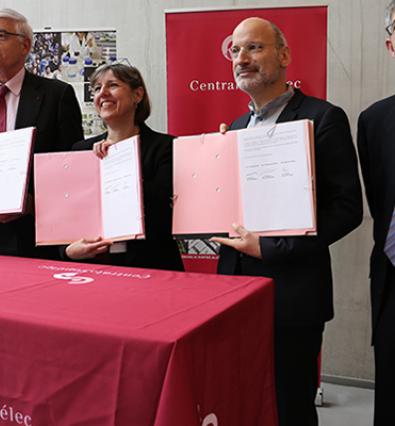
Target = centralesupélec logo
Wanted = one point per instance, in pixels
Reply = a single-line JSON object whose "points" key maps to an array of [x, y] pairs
{"points": [[72, 278], [226, 45], [210, 420]]}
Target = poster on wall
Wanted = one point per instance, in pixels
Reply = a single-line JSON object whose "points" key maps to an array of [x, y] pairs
{"points": [[72, 56], [201, 92]]}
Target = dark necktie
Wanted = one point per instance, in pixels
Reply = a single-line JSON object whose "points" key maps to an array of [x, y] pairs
{"points": [[3, 108], [389, 247]]}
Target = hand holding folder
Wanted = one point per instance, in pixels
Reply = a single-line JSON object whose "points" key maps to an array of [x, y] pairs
{"points": [[247, 242], [87, 249]]}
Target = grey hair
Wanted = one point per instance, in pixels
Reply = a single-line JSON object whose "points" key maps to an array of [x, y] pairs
{"points": [[389, 13], [22, 24], [281, 41]]}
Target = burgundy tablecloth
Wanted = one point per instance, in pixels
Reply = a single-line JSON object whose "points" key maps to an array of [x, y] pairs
{"points": [[99, 345]]}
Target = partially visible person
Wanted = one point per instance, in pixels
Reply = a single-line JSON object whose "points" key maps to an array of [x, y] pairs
{"points": [[48, 72], [83, 44], [300, 266], [376, 147], [28, 100], [121, 100]]}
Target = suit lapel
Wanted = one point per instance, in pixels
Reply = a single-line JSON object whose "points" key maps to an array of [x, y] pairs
{"points": [[290, 112], [390, 155], [241, 122], [29, 103]]}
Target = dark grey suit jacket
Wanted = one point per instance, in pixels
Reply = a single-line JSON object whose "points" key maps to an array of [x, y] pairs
{"points": [[376, 146], [301, 266], [52, 107]]}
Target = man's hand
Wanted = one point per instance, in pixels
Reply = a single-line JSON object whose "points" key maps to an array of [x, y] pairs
{"points": [[247, 243], [87, 249], [223, 128]]}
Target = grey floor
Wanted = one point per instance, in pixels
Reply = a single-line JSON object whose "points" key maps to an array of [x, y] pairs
{"points": [[346, 406]]}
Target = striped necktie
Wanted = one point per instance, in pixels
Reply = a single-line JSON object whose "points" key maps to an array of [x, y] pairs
{"points": [[3, 108], [389, 247]]}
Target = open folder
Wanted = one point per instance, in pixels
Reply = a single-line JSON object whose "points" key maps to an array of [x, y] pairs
{"points": [[262, 178], [15, 157], [77, 195]]}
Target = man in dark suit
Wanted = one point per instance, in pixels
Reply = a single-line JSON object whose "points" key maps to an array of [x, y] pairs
{"points": [[300, 266], [49, 105], [376, 146]]}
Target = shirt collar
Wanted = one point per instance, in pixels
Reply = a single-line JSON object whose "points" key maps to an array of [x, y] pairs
{"points": [[273, 105], [14, 84]]}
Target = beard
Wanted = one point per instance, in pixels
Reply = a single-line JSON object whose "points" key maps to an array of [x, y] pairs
{"points": [[258, 80]]}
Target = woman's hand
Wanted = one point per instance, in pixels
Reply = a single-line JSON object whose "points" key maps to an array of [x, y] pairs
{"points": [[87, 249], [101, 148]]}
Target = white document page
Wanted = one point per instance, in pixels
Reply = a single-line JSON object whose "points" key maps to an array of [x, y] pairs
{"points": [[120, 193], [15, 148], [275, 181]]}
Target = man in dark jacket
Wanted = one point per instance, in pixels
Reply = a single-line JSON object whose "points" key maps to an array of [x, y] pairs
{"points": [[28, 100], [376, 146], [300, 266]]}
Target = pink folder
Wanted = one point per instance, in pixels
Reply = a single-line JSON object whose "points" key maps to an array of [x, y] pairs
{"points": [[206, 185], [69, 199], [208, 190]]}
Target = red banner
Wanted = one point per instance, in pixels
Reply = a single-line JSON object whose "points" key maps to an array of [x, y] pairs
{"points": [[201, 92]]}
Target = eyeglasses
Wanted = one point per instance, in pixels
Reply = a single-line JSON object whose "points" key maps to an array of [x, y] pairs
{"points": [[4, 35], [250, 49], [390, 28]]}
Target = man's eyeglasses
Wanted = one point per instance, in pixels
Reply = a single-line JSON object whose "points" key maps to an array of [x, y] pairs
{"points": [[390, 28], [250, 49], [4, 35]]}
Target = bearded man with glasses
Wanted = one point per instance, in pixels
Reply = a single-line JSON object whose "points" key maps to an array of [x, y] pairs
{"points": [[28, 100], [300, 266]]}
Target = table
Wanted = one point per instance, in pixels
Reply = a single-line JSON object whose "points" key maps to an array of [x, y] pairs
{"points": [[98, 345]]}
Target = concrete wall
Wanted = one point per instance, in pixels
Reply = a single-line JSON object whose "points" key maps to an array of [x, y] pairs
{"points": [[359, 72]]}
